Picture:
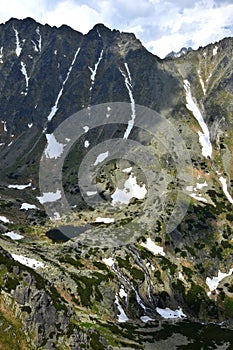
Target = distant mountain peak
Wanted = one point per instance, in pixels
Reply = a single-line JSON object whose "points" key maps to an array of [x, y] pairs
{"points": [[180, 53]]}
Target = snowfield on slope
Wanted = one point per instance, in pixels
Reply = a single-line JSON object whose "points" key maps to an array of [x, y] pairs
{"points": [[225, 190], [27, 206], [49, 197], [20, 187], [152, 247], [131, 190], [54, 148], [4, 219], [168, 313], [213, 282], [34, 264], [14, 236], [204, 137]]}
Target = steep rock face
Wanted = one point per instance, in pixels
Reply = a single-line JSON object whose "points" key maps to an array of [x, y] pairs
{"points": [[47, 75], [52, 71], [36, 301], [88, 295]]}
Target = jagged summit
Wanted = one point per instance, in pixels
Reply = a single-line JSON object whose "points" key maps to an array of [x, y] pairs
{"points": [[31, 22], [26, 20], [101, 27]]}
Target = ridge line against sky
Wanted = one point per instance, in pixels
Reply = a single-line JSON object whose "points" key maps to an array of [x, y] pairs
{"points": [[162, 26]]}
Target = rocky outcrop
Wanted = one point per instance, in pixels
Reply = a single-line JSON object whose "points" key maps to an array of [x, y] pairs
{"points": [[47, 319]]}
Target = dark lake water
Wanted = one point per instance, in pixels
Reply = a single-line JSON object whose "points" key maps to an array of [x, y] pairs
{"points": [[65, 233]]}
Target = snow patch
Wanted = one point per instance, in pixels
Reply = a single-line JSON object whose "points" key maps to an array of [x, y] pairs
{"points": [[40, 39], [101, 157], [13, 235], [201, 82], [198, 197], [204, 137], [17, 42], [181, 276], [86, 144], [128, 84], [35, 46], [5, 220], [199, 186], [146, 319], [128, 72], [24, 72], [34, 264], [1, 54], [122, 293], [105, 220], [122, 317], [108, 261], [215, 50], [55, 107], [94, 70], [127, 170], [20, 187], [225, 190], [86, 128], [91, 193], [213, 282], [49, 197], [168, 313], [27, 206], [54, 149], [4, 126], [131, 190], [152, 247]]}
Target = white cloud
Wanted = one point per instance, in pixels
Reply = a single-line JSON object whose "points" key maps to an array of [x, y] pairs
{"points": [[26, 8], [79, 16], [196, 26], [162, 26]]}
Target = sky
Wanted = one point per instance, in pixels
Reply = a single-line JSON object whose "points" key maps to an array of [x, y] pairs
{"points": [[161, 25]]}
